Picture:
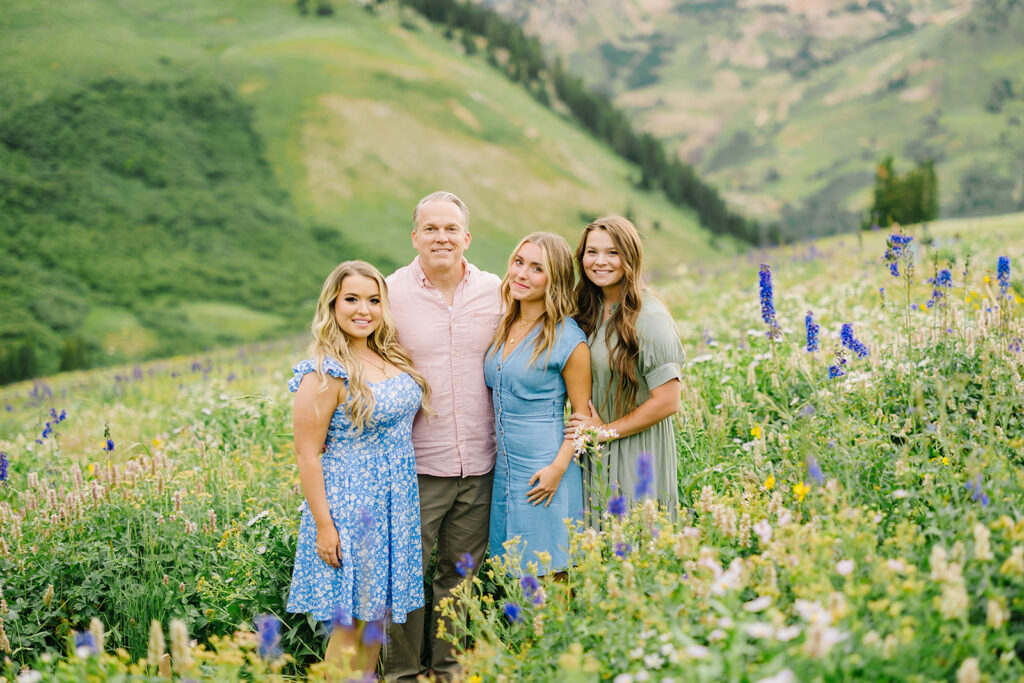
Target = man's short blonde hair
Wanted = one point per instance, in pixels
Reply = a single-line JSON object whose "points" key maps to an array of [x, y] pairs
{"points": [[442, 196]]}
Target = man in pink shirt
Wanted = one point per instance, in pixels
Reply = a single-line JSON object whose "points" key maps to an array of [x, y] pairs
{"points": [[446, 311]]}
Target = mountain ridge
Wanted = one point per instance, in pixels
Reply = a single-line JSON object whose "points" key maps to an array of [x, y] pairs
{"points": [[788, 102]]}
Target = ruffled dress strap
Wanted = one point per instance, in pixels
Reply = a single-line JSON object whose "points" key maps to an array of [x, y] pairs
{"points": [[330, 367]]}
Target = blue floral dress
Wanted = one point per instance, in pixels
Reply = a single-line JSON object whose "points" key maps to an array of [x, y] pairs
{"points": [[372, 492], [529, 407]]}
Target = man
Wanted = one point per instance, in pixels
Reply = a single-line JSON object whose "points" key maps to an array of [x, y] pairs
{"points": [[446, 311]]}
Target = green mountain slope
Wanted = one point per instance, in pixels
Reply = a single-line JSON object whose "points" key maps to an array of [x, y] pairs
{"points": [[185, 174], [794, 101]]}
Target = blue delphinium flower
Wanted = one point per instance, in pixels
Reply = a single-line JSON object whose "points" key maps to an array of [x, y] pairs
{"points": [[814, 470], [895, 248], [513, 612], [340, 618], [837, 370], [530, 586], [3, 468], [268, 628], [851, 342], [47, 430], [644, 475], [622, 549], [1003, 274], [977, 491], [618, 506], [374, 633], [465, 564], [813, 332], [85, 644], [767, 299], [942, 281], [109, 446]]}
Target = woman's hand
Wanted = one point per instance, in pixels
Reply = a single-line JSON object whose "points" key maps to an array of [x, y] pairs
{"points": [[328, 545], [578, 421], [547, 480]]}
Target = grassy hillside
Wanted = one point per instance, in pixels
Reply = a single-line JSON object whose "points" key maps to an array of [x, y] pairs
{"points": [[178, 176], [794, 102]]}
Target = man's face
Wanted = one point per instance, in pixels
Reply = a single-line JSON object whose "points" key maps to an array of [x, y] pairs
{"points": [[440, 235]]}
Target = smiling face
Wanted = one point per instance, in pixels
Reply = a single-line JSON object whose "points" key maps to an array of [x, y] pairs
{"points": [[527, 279], [440, 236], [602, 263], [358, 307]]}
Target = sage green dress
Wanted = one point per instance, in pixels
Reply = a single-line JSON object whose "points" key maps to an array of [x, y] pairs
{"points": [[661, 359]]}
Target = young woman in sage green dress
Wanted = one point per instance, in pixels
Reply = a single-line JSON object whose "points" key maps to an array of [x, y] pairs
{"points": [[636, 362]]}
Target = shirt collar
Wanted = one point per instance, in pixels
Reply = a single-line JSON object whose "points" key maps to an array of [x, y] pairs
{"points": [[468, 270]]}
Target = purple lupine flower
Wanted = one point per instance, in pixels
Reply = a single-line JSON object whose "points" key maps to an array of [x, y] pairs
{"points": [[977, 491], [3, 468], [85, 644], [268, 628], [340, 618], [644, 475], [814, 470], [622, 549], [465, 564], [618, 506], [530, 585], [851, 342], [513, 612], [374, 633], [813, 332]]}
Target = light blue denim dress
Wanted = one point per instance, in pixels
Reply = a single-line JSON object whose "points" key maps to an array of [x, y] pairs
{"points": [[529, 403]]}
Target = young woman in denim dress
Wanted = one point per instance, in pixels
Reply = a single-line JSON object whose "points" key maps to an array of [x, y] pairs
{"points": [[539, 358]]}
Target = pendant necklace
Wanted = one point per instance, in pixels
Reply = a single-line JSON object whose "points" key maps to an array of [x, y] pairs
{"points": [[383, 367], [512, 338]]}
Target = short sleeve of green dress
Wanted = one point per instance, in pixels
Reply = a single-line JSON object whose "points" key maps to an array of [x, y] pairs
{"points": [[660, 360]]}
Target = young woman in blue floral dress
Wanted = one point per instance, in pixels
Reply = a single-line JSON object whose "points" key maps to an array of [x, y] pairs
{"points": [[358, 558], [539, 358]]}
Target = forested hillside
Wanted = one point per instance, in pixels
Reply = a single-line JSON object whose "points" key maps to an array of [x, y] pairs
{"points": [[179, 176], [788, 105]]}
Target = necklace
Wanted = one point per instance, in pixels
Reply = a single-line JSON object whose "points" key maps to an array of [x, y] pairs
{"points": [[512, 337], [383, 367]]}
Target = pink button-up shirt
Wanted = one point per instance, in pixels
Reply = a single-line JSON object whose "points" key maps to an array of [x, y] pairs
{"points": [[448, 346]]}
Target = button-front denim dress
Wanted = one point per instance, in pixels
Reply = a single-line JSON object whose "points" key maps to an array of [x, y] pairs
{"points": [[529, 407]]}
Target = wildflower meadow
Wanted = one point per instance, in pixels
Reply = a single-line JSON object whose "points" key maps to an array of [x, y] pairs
{"points": [[850, 450]]}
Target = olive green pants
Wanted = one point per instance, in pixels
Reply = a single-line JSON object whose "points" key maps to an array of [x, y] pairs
{"points": [[455, 513]]}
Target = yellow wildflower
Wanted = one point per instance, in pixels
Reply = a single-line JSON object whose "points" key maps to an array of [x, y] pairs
{"points": [[801, 490], [769, 483], [755, 431], [987, 279], [945, 460]]}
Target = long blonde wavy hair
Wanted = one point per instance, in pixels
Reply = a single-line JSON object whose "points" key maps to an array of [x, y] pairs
{"points": [[589, 301], [330, 340], [558, 295]]}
